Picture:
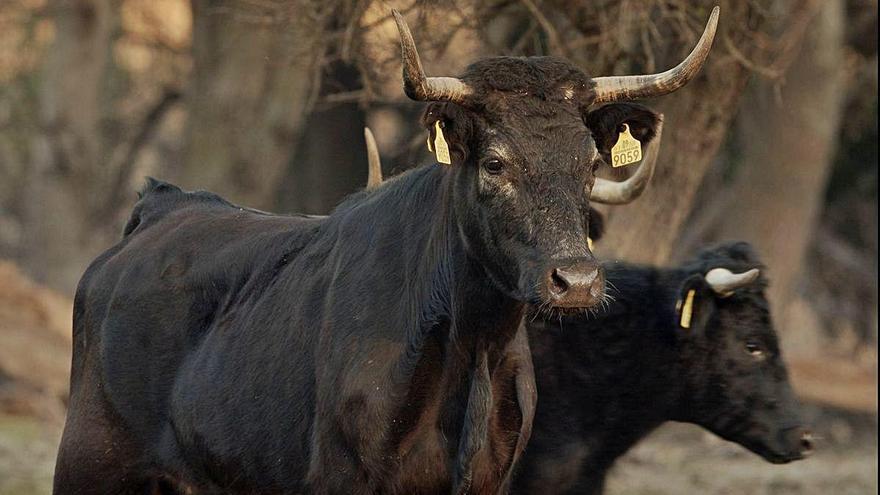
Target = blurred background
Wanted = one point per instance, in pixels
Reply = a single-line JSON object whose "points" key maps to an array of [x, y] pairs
{"points": [[264, 102]]}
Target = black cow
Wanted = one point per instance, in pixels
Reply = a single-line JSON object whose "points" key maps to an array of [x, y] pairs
{"points": [[381, 349], [605, 382]]}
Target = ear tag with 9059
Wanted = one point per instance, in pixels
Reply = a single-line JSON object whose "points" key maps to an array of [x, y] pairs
{"points": [[627, 150], [440, 146]]}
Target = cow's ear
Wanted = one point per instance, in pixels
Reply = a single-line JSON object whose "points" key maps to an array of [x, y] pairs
{"points": [[694, 305], [455, 123], [606, 124]]}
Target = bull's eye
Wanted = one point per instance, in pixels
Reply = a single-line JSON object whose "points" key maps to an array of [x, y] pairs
{"points": [[493, 166], [756, 351]]}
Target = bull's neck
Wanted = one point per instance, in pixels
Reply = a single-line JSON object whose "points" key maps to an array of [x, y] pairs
{"points": [[478, 313], [443, 283]]}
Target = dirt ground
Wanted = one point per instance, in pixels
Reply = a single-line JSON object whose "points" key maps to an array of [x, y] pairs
{"points": [[27, 455], [677, 459], [685, 459]]}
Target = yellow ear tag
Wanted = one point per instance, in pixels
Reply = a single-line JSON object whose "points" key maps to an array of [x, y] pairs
{"points": [[440, 146], [687, 310], [428, 142], [590, 243], [627, 150]]}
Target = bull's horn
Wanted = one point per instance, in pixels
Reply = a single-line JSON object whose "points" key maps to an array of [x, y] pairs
{"points": [[416, 84], [618, 193], [616, 88], [374, 174], [724, 281]]}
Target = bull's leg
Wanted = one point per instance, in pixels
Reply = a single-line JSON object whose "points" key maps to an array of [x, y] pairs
{"points": [[97, 456], [338, 473], [96, 463]]}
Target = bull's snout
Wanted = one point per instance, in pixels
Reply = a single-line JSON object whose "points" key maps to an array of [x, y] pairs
{"points": [[576, 285], [795, 443], [799, 440]]}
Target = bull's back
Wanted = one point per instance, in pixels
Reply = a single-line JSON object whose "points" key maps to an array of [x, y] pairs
{"points": [[146, 304]]}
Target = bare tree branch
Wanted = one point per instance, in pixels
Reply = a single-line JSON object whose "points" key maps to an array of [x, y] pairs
{"points": [[126, 153]]}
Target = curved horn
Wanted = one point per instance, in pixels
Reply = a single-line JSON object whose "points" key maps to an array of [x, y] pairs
{"points": [[374, 174], [724, 281], [416, 84], [616, 88], [618, 193]]}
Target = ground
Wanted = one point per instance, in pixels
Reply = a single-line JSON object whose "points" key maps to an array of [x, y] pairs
{"points": [[27, 455], [677, 459], [685, 459]]}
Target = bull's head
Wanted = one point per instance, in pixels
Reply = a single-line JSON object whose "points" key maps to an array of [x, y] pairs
{"points": [[525, 142], [737, 385]]}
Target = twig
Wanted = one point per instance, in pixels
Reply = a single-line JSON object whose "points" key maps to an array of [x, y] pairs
{"points": [[555, 42], [786, 45], [740, 57], [129, 150]]}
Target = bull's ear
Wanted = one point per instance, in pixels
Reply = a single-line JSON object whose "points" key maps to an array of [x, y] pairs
{"points": [[694, 305], [455, 123], [606, 124]]}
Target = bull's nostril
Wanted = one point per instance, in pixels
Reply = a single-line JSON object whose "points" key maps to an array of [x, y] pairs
{"points": [[558, 284], [806, 443]]}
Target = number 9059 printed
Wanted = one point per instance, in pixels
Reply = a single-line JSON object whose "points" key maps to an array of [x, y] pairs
{"points": [[626, 157]]}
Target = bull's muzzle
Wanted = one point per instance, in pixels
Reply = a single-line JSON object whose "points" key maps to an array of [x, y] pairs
{"points": [[575, 285]]}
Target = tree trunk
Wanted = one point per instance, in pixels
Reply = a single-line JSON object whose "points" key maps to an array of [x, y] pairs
{"points": [[330, 160], [70, 152], [789, 140], [255, 74]]}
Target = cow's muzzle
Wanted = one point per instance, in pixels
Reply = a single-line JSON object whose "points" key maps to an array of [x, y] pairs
{"points": [[575, 284], [792, 444]]}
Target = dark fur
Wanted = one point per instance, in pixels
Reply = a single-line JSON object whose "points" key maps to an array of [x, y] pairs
{"points": [[606, 382], [229, 350]]}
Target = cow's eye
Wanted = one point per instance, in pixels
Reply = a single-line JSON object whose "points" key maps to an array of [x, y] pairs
{"points": [[493, 166], [756, 351]]}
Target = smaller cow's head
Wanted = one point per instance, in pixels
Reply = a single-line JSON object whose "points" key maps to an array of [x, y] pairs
{"points": [[524, 141], [736, 383]]}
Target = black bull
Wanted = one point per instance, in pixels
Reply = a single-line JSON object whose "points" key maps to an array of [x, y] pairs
{"points": [[228, 350], [606, 382], [380, 349]]}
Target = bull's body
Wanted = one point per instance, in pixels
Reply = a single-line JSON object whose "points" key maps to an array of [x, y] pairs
{"points": [[228, 350], [379, 350]]}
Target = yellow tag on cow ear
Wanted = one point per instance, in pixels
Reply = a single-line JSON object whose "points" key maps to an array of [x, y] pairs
{"points": [[440, 146], [627, 150], [687, 309], [590, 243], [428, 142]]}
